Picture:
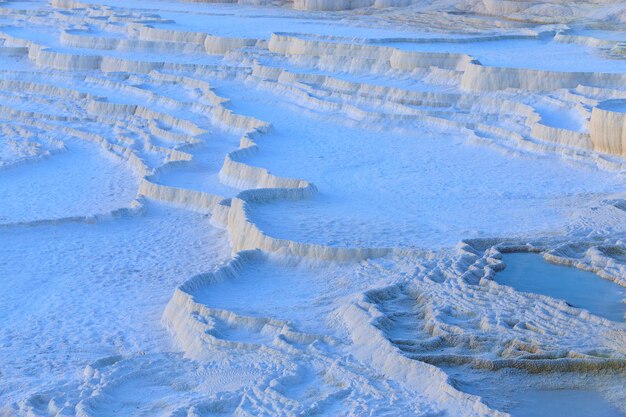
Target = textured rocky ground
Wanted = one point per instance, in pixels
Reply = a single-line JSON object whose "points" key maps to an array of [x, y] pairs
{"points": [[299, 208]]}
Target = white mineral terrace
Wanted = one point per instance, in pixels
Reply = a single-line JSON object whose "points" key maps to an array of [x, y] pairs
{"points": [[289, 208]]}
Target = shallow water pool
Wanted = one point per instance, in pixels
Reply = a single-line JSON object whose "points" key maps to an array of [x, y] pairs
{"points": [[513, 53], [582, 289], [544, 395]]}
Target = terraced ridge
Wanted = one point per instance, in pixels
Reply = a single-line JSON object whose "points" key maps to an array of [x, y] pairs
{"points": [[182, 118]]}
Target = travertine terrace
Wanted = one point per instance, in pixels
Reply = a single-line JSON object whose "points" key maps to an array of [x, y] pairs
{"points": [[298, 208]]}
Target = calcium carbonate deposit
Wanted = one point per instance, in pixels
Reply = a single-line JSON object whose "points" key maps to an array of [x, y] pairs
{"points": [[307, 207]]}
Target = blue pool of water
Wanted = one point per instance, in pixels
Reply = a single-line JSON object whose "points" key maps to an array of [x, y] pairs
{"points": [[547, 54], [568, 402], [529, 272], [545, 395]]}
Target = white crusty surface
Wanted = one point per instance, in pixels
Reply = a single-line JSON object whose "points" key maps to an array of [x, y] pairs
{"points": [[299, 208]]}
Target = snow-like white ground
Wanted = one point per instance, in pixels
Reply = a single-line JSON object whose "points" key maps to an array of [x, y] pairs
{"points": [[81, 180], [379, 187], [76, 292], [237, 209]]}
